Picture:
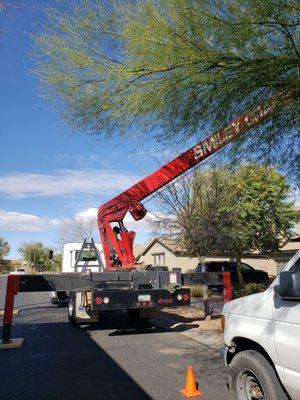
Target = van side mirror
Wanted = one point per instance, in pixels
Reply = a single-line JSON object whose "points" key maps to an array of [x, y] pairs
{"points": [[289, 286]]}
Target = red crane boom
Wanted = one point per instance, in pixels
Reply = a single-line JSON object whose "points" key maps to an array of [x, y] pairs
{"points": [[118, 249]]}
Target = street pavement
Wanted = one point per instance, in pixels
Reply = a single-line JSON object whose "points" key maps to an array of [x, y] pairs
{"points": [[112, 360]]}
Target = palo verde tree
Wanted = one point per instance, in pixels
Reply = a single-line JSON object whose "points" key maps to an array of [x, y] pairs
{"points": [[219, 212], [184, 66]]}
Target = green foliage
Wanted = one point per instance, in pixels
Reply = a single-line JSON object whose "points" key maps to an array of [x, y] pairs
{"points": [[265, 217], [249, 288], [5, 266], [57, 263], [184, 66], [4, 248], [35, 253]]}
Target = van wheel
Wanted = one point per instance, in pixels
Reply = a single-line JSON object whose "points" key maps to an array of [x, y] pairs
{"points": [[254, 378], [72, 308]]}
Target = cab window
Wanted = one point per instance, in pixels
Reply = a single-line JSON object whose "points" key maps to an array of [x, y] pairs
{"points": [[246, 267], [296, 266], [86, 255]]}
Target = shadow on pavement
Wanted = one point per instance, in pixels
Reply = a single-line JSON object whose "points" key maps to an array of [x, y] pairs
{"points": [[59, 361]]}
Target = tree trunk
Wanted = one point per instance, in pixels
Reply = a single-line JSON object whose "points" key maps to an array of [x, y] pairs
{"points": [[239, 269], [201, 260], [207, 310]]}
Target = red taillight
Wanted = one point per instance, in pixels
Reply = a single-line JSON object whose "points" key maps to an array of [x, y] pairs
{"points": [[185, 297], [98, 300]]}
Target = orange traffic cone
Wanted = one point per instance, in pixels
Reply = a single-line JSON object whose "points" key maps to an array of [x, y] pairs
{"points": [[190, 389]]}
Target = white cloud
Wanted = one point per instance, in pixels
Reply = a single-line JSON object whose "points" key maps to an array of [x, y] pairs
{"points": [[88, 213], [19, 222], [65, 182], [141, 225]]}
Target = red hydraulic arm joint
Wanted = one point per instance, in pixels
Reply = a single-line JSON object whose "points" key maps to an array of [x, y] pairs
{"points": [[118, 248]]}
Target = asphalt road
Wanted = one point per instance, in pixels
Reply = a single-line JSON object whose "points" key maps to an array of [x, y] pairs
{"points": [[112, 360]]}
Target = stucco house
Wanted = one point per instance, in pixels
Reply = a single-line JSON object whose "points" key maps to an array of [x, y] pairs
{"points": [[159, 252], [162, 252]]}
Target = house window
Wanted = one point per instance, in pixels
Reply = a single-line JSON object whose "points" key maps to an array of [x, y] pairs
{"points": [[158, 258]]}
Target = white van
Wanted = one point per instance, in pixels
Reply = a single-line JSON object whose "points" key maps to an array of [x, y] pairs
{"points": [[262, 340]]}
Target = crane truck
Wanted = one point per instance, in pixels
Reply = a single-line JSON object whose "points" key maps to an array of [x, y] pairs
{"points": [[119, 286]]}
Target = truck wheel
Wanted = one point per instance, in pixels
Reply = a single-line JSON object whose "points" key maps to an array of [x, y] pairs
{"points": [[72, 308], [134, 316], [254, 378], [62, 299]]}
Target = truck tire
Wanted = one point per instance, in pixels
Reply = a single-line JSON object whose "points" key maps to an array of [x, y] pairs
{"points": [[72, 308], [134, 316], [62, 299], [254, 378]]}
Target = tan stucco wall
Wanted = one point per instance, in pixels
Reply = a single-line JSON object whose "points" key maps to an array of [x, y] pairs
{"points": [[148, 258]]}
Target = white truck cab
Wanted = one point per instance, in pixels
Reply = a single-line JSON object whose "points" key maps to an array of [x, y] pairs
{"points": [[71, 262], [262, 340], [87, 262]]}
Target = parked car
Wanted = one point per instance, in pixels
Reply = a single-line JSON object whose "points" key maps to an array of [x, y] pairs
{"points": [[261, 335], [18, 271], [249, 273], [156, 268]]}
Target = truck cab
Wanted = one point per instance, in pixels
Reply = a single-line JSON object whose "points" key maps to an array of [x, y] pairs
{"points": [[76, 259], [262, 340]]}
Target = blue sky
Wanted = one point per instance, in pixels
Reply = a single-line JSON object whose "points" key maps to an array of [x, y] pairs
{"points": [[47, 171]]}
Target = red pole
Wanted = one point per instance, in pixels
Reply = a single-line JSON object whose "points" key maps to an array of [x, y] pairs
{"points": [[227, 289], [12, 288]]}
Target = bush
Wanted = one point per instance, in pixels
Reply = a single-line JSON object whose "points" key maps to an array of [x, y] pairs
{"points": [[4, 272], [249, 288], [196, 291]]}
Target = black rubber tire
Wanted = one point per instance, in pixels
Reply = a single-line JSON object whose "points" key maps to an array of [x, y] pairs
{"points": [[71, 308], [252, 362], [62, 298]]}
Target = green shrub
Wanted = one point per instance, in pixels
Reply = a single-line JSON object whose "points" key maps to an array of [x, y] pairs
{"points": [[249, 288]]}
